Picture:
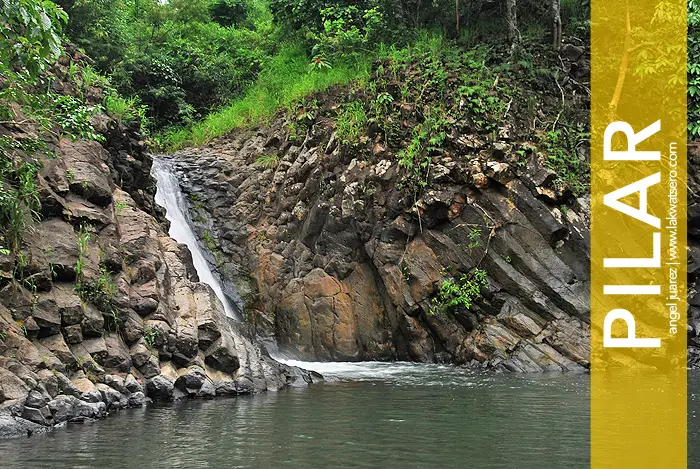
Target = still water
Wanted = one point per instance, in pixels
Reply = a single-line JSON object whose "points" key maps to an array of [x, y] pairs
{"points": [[370, 415]]}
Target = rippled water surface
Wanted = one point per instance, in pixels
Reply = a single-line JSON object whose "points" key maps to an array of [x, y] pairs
{"points": [[371, 415]]}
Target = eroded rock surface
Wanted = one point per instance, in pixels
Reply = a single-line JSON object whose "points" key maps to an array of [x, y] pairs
{"points": [[346, 265], [103, 310]]}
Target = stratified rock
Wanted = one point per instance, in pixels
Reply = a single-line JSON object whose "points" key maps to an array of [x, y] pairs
{"points": [[347, 266]]}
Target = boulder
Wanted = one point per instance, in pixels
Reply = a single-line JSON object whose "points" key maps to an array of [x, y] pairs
{"points": [[58, 347], [69, 305], [221, 356], [11, 386], [190, 380], [87, 162], [160, 388]]}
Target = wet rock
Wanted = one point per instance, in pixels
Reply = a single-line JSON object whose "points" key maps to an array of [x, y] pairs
{"points": [[144, 360], [47, 317], [90, 174], [73, 334], [117, 356], [66, 386], [92, 323], [15, 427], [58, 347], [132, 385], [137, 399], [62, 408], [160, 388], [109, 395], [116, 382], [88, 411], [58, 244], [38, 416], [191, 380], [35, 399], [221, 356]]}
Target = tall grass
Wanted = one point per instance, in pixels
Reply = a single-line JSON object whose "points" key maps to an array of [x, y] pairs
{"points": [[287, 78]]}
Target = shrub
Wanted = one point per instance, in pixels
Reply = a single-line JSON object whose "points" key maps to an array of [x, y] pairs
{"points": [[31, 33], [351, 122], [459, 292]]}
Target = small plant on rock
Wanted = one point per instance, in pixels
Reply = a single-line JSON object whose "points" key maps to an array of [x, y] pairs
{"points": [[151, 337], [459, 292], [352, 122], [268, 161], [474, 238]]}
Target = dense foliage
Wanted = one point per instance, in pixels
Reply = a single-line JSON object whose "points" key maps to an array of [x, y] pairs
{"points": [[180, 58], [30, 34], [34, 116], [186, 58]]}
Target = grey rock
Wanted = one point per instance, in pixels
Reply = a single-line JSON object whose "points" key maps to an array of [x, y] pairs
{"points": [[137, 399], [160, 388], [110, 396], [132, 385]]}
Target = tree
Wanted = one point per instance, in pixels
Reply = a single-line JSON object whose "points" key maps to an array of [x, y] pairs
{"points": [[694, 69], [101, 28], [29, 33], [512, 20], [228, 12], [556, 24]]}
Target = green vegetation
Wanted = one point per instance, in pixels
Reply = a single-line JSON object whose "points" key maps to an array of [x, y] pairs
{"points": [[30, 45], [693, 69], [351, 122], [286, 79], [181, 58], [459, 292], [204, 67], [125, 110], [563, 157], [30, 34], [100, 291], [268, 161], [83, 240], [151, 337]]}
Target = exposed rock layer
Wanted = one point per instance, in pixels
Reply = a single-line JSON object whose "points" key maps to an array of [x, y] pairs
{"points": [[346, 265], [102, 310]]}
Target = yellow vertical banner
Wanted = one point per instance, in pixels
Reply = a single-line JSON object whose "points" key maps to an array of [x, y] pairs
{"points": [[638, 234]]}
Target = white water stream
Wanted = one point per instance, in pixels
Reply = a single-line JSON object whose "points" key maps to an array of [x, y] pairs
{"points": [[169, 196]]}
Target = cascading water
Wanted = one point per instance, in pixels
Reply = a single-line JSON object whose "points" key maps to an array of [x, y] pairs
{"points": [[169, 196]]}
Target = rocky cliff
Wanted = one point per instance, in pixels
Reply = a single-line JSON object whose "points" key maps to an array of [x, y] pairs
{"points": [[339, 254], [100, 309]]}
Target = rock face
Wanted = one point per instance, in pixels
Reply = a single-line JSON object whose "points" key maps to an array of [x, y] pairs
{"points": [[103, 310], [347, 265]]}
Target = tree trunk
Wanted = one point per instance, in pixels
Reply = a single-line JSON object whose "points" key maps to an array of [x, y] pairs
{"points": [[556, 24], [457, 17], [512, 20]]}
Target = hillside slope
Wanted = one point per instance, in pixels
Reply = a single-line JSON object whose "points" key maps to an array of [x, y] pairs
{"points": [[99, 308], [417, 215]]}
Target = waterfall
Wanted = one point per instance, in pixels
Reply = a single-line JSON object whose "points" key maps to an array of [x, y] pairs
{"points": [[169, 196]]}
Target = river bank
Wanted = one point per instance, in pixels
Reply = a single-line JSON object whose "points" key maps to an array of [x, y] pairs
{"points": [[367, 415]]}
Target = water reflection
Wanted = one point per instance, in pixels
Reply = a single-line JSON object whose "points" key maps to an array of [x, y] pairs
{"points": [[372, 416]]}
